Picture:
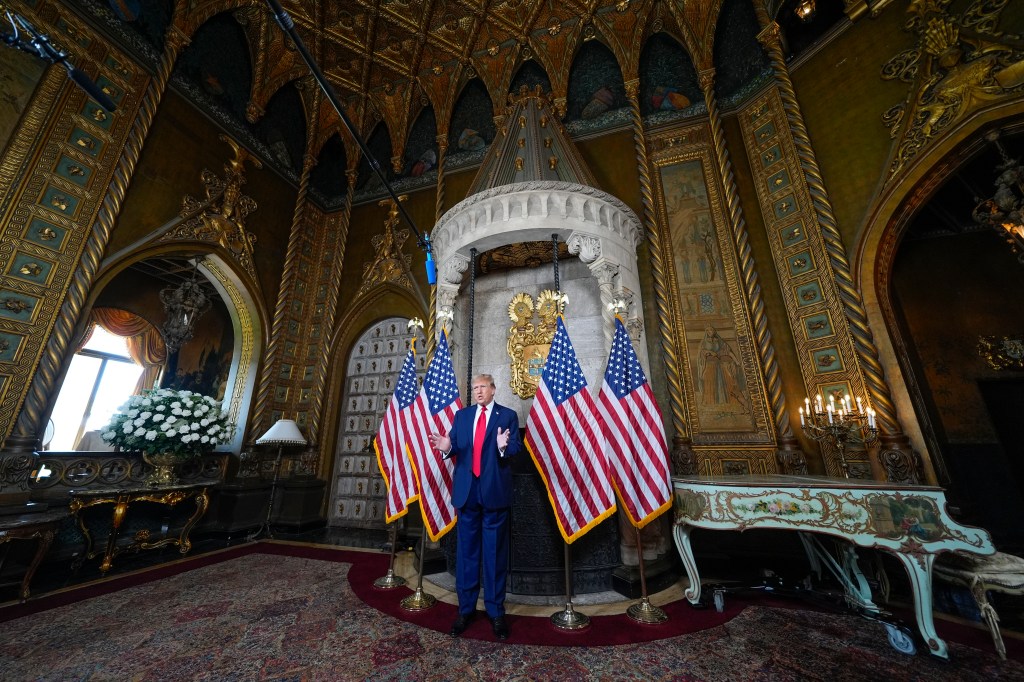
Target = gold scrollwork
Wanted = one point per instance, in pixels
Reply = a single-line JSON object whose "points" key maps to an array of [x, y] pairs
{"points": [[1002, 353], [529, 342]]}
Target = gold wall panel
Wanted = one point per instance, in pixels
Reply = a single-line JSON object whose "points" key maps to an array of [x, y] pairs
{"points": [[725, 399], [53, 177], [821, 334]]}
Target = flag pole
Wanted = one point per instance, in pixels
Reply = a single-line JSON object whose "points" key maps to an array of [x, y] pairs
{"points": [[569, 619], [472, 319], [420, 600], [643, 611], [390, 581], [554, 258]]}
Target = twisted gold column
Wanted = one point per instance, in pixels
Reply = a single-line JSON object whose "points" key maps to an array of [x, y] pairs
{"points": [[442, 155], [758, 318], [662, 292], [44, 380], [331, 309], [896, 446], [284, 294]]}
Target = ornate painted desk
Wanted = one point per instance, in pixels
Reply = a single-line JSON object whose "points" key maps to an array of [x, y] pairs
{"points": [[910, 522], [121, 499]]}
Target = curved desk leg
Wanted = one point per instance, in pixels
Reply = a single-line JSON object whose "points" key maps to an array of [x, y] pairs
{"points": [[681, 533], [919, 570], [45, 539], [202, 501]]}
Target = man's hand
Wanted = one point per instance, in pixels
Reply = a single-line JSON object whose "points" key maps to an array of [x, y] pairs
{"points": [[444, 443], [502, 439]]}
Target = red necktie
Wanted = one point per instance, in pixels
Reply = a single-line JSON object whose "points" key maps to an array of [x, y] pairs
{"points": [[478, 440]]}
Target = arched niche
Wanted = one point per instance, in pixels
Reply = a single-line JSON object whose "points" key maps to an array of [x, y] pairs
{"points": [[243, 313]]}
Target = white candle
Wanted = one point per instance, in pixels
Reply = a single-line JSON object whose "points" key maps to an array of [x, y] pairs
{"points": [[802, 423], [829, 414]]}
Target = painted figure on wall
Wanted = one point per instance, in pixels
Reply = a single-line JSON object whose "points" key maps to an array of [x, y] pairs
{"points": [[718, 371]]}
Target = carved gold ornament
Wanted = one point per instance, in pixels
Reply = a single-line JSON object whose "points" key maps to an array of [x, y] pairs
{"points": [[529, 338], [959, 64], [1002, 353], [31, 269]]}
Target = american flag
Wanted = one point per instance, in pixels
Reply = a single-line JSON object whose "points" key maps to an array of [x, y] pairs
{"points": [[637, 452], [433, 412], [390, 442], [565, 440]]}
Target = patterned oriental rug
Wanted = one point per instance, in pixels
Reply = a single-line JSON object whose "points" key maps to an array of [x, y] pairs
{"points": [[274, 611]]}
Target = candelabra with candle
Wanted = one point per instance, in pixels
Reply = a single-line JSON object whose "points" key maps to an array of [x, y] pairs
{"points": [[839, 424]]}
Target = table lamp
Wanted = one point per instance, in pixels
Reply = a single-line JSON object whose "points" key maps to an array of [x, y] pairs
{"points": [[283, 432]]}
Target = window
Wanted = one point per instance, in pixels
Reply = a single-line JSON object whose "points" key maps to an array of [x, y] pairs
{"points": [[101, 377]]}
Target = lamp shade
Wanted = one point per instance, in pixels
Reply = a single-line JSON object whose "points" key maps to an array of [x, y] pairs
{"points": [[283, 432]]}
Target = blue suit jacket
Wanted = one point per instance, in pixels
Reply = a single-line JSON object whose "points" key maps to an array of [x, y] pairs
{"points": [[495, 471]]}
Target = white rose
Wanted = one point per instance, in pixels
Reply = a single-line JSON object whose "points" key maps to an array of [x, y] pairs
{"points": [[186, 413], [132, 414], [128, 427], [213, 429], [139, 422], [139, 432], [146, 415], [171, 419], [158, 417], [160, 408], [205, 439], [147, 402], [176, 405], [183, 429], [150, 435], [194, 426]]}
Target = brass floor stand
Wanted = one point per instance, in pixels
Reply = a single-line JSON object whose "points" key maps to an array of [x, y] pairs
{"points": [[419, 600], [390, 581], [569, 619], [643, 611]]}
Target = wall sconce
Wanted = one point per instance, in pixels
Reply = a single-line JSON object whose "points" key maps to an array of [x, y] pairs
{"points": [[183, 304], [804, 10], [1004, 210]]}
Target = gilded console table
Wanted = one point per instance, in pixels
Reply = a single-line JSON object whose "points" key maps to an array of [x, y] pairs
{"points": [[910, 522], [121, 499], [39, 526]]}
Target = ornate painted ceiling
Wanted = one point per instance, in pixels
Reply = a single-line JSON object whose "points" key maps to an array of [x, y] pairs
{"points": [[403, 68]]}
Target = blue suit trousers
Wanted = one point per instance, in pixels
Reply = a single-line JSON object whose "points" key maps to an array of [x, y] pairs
{"points": [[483, 546]]}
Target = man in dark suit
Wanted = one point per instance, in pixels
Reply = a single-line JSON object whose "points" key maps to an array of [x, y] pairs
{"points": [[483, 439]]}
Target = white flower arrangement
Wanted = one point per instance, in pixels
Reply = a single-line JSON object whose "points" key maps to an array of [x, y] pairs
{"points": [[162, 420]]}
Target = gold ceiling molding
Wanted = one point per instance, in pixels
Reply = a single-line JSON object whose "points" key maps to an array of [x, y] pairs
{"points": [[220, 218], [959, 64]]}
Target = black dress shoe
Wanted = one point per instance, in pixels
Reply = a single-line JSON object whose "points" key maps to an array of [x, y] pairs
{"points": [[460, 625], [500, 627]]}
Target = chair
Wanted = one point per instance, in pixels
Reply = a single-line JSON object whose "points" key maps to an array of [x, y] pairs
{"points": [[997, 572]]}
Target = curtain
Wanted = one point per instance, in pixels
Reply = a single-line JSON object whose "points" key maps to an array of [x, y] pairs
{"points": [[145, 343]]}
